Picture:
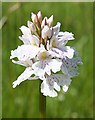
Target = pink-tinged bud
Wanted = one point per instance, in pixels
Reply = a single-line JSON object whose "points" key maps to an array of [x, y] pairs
{"points": [[31, 26], [50, 21], [46, 32], [34, 18], [39, 14]]}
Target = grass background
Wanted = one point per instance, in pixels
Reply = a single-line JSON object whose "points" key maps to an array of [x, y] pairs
{"points": [[23, 102]]}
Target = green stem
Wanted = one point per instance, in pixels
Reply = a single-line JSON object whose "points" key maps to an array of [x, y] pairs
{"points": [[42, 103]]}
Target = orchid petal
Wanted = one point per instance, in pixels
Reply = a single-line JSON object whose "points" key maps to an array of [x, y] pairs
{"points": [[24, 52], [25, 30], [25, 75]]}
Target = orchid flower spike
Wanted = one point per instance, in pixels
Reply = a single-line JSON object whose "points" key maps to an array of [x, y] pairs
{"points": [[45, 55]]}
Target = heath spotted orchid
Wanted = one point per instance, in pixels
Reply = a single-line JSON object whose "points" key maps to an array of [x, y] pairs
{"points": [[45, 56]]}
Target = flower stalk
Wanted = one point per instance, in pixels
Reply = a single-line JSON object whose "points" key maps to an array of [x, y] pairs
{"points": [[42, 103]]}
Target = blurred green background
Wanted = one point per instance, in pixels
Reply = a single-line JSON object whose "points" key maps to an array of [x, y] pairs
{"points": [[23, 101]]}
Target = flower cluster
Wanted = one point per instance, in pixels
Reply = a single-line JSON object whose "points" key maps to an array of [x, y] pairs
{"points": [[45, 55]]}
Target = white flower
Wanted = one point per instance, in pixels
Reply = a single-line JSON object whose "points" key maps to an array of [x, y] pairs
{"points": [[27, 37], [45, 55], [70, 66], [29, 40], [24, 52], [46, 64], [47, 91], [53, 83], [59, 39]]}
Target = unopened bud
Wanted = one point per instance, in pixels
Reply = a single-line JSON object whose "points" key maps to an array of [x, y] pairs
{"points": [[44, 22], [46, 32], [39, 14], [34, 18], [31, 26], [50, 21]]}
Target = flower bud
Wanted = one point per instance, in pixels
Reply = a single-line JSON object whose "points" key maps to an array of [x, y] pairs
{"points": [[39, 15], [31, 26], [34, 18], [44, 22], [50, 21], [46, 32]]}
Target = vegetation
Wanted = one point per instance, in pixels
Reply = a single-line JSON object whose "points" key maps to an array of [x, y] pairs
{"points": [[23, 101]]}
